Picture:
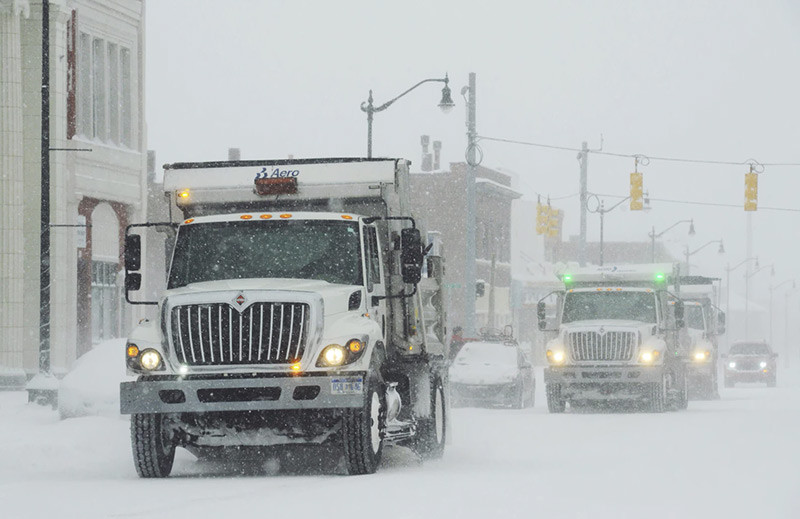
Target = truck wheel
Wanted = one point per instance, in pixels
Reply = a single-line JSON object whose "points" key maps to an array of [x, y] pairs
{"points": [[519, 397], [657, 397], [431, 432], [153, 445], [362, 433], [683, 397], [555, 402]]}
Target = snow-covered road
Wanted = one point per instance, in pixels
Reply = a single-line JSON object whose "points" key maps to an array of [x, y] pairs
{"points": [[737, 457]]}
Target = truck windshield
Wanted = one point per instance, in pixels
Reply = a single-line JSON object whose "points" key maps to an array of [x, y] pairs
{"points": [[308, 249], [694, 317], [624, 305]]}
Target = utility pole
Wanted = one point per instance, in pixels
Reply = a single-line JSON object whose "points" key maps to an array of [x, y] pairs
{"points": [[469, 231], [492, 279], [44, 222], [583, 158]]}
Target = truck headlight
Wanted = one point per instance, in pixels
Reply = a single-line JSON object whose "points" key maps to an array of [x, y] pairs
{"points": [[150, 360], [649, 357], [337, 355], [731, 364], [556, 356], [763, 364], [333, 355], [702, 355]]}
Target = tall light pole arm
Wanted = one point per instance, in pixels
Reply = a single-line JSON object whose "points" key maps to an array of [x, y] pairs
{"points": [[367, 106], [670, 227]]}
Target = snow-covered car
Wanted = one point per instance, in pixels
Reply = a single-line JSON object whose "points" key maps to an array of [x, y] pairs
{"points": [[488, 373], [751, 362]]}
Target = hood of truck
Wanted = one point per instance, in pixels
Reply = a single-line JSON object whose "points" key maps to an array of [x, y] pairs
{"points": [[613, 324], [334, 297]]}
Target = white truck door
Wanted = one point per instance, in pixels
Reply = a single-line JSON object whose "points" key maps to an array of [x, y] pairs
{"points": [[376, 288]]}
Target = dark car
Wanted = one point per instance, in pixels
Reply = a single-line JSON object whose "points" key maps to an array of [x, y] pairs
{"points": [[492, 373], [750, 362]]}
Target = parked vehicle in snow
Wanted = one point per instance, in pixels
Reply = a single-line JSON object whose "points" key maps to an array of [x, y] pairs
{"points": [[619, 338], [492, 371], [751, 361], [296, 312]]}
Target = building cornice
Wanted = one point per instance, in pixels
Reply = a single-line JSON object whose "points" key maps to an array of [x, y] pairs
{"points": [[15, 7]]}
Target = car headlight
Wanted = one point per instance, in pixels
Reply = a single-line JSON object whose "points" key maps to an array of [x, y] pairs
{"points": [[731, 364], [334, 355], [763, 364], [556, 356], [150, 360], [649, 357], [702, 355]]}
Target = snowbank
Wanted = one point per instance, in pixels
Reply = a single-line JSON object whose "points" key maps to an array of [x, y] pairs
{"points": [[92, 386]]}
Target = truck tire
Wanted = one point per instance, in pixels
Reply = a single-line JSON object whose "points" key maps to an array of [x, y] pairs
{"points": [[153, 445], [555, 402], [683, 397], [432, 432], [362, 433], [657, 397], [520, 399]]}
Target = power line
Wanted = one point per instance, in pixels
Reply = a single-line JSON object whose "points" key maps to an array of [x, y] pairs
{"points": [[712, 204], [638, 155]]}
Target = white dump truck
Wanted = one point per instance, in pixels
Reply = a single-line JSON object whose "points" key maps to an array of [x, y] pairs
{"points": [[302, 306], [705, 322], [620, 336]]}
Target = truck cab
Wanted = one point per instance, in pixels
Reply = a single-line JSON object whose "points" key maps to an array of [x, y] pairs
{"points": [[295, 312], [618, 338]]}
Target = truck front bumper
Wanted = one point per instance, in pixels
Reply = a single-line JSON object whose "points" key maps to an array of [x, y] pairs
{"points": [[198, 395], [603, 382]]}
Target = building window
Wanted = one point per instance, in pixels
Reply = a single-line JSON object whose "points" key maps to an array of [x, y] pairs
{"points": [[104, 96], [105, 324]]}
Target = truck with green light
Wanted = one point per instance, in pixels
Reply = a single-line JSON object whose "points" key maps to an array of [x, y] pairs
{"points": [[620, 337]]}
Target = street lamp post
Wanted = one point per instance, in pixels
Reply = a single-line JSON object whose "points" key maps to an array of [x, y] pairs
{"points": [[469, 230], [601, 210], [747, 277], [653, 235], [728, 270], [772, 289], [446, 104], [688, 254]]}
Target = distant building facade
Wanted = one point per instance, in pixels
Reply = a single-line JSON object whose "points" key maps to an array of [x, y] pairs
{"points": [[439, 196], [96, 103]]}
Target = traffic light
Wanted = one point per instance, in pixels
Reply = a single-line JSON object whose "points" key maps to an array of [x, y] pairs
{"points": [[637, 192], [553, 223], [542, 215], [750, 191]]}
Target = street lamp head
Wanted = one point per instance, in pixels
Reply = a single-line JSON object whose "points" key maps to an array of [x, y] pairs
{"points": [[721, 247], [446, 104], [691, 227]]}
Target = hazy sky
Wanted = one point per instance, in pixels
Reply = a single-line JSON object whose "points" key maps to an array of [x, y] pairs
{"points": [[708, 80]]}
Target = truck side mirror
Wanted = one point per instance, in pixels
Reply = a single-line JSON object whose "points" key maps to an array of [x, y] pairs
{"points": [[133, 281], [541, 313], [720, 323], [133, 252], [678, 308], [411, 255]]}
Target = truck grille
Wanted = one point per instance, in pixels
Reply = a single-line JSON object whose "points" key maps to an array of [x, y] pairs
{"points": [[609, 346], [216, 334]]}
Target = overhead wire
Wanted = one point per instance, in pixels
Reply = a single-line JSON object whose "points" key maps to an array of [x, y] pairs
{"points": [[635, 155]]}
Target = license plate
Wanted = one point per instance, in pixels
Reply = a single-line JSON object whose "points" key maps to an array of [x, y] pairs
{"points": [[347, 386]]}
